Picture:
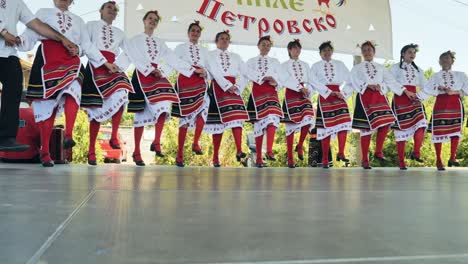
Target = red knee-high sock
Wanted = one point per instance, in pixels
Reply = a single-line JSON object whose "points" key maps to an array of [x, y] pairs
{"points": [[217, 138], [401, 150], [365, 143], [158, 128], [325, 148], [46, 127], [93, 133], [304, 133], [237, 132], [71, 110], [181, 141], [289, 144], [453, 148], [137, 135], [381, 135], [258, 146], [116, 123], [342, 136], [270, 138], [418, 141], [438, 150], [200, 123]]}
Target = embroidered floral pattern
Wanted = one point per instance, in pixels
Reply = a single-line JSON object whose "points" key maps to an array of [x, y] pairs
{"points": [[194, 51], [329, 70], [64, 22], [152, 46], [298, 71], [371, 70], [225, 61], [447, 78], [262, 67], [410, 73], [107, 36]]}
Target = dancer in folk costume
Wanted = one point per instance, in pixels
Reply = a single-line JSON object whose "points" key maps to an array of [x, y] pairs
{"points": [[105, 94], [55, 82], [373, 113], [11, 74], [194, 101], [154, 95], [411, 119], [333, 115], [264, 107], [447, 116], [227, 109], [297, 107]]}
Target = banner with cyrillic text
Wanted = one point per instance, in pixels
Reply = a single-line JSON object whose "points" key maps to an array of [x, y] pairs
{"points": [[346, 23]]}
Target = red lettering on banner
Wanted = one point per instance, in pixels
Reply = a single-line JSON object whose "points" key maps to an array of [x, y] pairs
{"points": [[213, 8], [263, 27], [318, 24], [331, 21], [292, 27], [228, 15], [306, 24], [278, 26], [247, 20], [214, 13]]}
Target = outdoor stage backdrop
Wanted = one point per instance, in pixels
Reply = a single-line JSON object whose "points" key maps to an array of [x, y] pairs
{"points": [[345, 22]]}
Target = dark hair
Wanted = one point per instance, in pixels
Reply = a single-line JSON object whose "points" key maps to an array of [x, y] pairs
{"points": [[108, 2], [326, 44], [222, 33], [151, 12], [194, 24], [294, 44], [368, 43], [403, 50], [448, 53], [264, 38]]}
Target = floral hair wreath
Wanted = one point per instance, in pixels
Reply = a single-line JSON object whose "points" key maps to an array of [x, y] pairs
{"points": [[415, 46], [197, 22], [452, 54], [227, 33]]}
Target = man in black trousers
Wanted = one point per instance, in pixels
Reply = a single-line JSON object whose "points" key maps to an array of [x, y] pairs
{"points": [[11, 74]]}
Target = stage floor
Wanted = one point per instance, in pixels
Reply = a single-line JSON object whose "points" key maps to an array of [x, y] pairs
{"points": [[125, 214]]}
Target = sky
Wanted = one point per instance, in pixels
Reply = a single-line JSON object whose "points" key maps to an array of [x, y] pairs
{"points": [[435, 25]]}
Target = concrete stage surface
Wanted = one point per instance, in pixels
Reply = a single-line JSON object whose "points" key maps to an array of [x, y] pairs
{"points": [[125, 214]]}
